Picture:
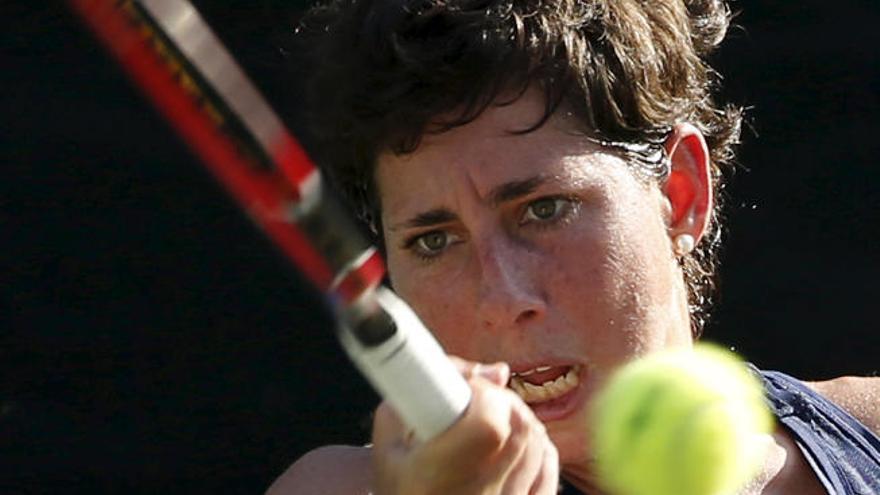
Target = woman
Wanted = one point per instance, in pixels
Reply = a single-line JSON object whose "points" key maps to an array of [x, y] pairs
{"points": [[543, 179]]}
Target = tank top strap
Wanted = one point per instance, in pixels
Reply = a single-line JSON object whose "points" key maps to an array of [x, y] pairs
{"points": [[843, 452]]}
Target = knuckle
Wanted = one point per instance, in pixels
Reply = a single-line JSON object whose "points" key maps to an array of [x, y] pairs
{"points": [[489, 434], [552, 454], [382, 412]]}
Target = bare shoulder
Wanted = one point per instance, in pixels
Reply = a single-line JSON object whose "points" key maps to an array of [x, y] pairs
{"points": [[860, 396], [329, 470]]}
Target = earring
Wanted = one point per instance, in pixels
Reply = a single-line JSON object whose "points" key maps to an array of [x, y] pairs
{"points": [[684, 244]]}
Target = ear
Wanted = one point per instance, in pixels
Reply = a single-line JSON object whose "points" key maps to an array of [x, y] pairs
{"points": [[689, 187]]}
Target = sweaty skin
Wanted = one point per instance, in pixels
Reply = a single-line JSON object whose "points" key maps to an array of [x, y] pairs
{"points": [[548, 253], [589, 281]]}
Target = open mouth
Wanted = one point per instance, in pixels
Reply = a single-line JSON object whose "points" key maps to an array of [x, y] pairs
{"points": [[544, 383]]}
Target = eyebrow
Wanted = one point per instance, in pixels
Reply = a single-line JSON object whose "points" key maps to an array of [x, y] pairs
{"points": [[427, 219], [514, 189], [498, 195]]}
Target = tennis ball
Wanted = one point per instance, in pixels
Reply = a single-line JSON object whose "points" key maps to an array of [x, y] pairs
{"points": [[679, 422]]}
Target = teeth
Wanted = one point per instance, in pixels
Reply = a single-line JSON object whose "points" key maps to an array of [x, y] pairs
{"points": [[549, 390], [539, 369], [535, 391], [571, 379]]}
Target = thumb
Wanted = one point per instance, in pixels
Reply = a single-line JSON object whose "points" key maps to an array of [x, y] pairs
{"points": [[497, 373], [389, 430]]}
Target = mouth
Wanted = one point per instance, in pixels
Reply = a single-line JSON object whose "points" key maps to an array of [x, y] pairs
{"points": [[551, 391], [544, 383]]}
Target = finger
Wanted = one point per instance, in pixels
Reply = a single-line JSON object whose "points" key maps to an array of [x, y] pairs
{"points": [[389, 452], [497, 373], [526, 468], [547, 481], [478, 436], [389, 430], [463, 366], [508, 459]]}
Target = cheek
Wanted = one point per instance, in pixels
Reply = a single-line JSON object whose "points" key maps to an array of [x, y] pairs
{"points": [[646, 275], [595, 277], [441, 305], [589, 258], [639, 230], [648, 246], [609, 276]]}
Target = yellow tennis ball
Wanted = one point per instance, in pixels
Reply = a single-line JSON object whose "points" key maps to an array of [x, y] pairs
{"points": [[679, 422]]}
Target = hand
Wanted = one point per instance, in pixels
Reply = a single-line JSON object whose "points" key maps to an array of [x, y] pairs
{"points": [[497, 447]]}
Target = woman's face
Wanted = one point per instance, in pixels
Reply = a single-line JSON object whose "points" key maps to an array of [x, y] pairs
{"points": [[542, 250]]}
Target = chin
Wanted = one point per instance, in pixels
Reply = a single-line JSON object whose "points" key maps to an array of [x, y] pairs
{"points": [[571, 438]]}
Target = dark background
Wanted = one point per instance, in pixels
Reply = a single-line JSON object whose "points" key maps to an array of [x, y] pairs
{"points": [[152, 340]]}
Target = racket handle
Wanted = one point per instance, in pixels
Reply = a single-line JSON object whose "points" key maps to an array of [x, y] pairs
{"points": [[410, 370]]}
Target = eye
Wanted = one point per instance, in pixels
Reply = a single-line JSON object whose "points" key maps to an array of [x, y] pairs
{"points": [[432, 241], [430, 244], [545, 209]]}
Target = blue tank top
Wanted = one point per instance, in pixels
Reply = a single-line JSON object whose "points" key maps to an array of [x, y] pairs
{"points": [[844, 454]]}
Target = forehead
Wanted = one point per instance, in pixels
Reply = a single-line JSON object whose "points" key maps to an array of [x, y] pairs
{"points": [[491, 150]]}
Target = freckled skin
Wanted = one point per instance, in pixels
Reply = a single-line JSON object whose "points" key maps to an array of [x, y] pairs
{"points": [[598, 288], [575, 269]]}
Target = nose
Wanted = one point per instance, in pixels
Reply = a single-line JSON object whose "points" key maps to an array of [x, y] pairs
{"points": [[510, 291]]}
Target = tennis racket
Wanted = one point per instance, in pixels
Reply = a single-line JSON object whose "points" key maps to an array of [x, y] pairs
{"points": [[181, 66]]}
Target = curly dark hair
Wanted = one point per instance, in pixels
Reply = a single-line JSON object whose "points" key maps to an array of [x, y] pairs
{"points": [[628, 70]]}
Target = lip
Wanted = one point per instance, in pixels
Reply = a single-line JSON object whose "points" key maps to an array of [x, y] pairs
{"points": [[560, 407]]}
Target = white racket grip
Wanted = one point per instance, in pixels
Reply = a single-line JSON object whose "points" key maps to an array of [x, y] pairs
{"points": [[411, 371]]}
